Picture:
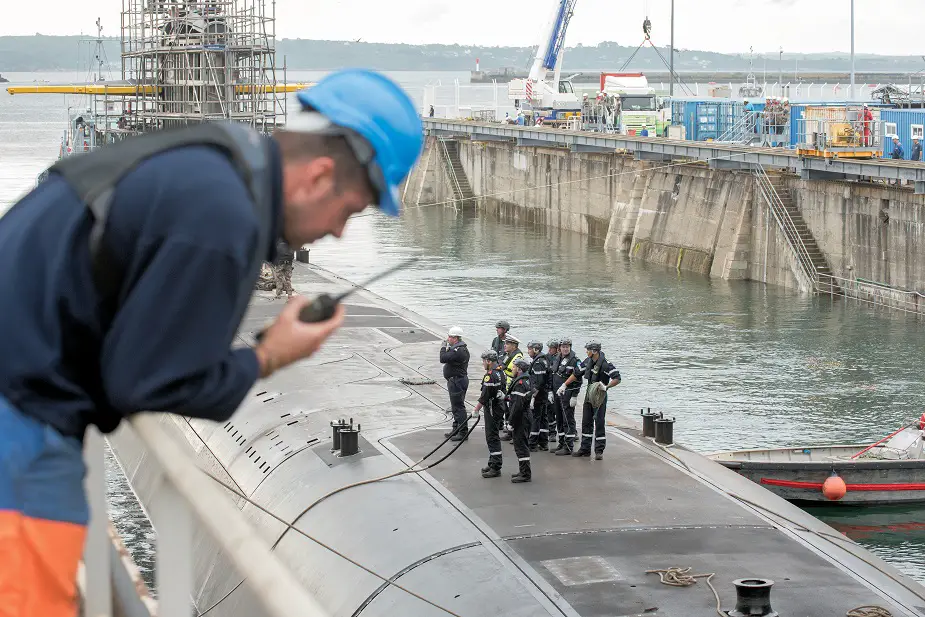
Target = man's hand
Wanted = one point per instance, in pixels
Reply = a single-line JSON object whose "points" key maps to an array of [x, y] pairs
{"points": [[561, 390], [550, 398], [288, 339]]}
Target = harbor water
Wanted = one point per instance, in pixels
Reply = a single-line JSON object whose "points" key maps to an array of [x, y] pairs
{"points": [[737, 364]]}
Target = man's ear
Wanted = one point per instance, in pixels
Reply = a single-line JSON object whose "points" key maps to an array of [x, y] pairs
{"points": [[310, 177]]}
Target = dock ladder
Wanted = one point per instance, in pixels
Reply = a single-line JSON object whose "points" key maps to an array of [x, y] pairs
{"points": [[806, 252], [463, 194]]}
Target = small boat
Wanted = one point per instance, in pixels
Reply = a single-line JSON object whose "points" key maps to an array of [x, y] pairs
{"points": [[891, 471]]}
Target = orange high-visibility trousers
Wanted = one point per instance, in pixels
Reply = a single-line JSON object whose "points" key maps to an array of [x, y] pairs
{"points": [[43, 517]]}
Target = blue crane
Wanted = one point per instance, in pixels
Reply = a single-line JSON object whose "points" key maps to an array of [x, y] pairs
{"points": [[549, 51], [554, 45]]}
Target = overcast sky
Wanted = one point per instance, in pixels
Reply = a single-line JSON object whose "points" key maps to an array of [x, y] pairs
{"points": [[883, 26]]}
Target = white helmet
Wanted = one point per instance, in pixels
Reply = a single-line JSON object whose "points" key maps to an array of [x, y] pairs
{"points": [[455, 331]]}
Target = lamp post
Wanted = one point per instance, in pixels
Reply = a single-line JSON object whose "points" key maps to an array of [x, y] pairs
{"points": [[780, 70], [671, 56], [851, 91]]}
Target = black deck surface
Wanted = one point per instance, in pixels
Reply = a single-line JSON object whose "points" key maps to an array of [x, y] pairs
{"points": [[591, 529]]}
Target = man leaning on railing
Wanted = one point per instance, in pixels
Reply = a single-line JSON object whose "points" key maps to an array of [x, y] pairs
{"points": [[128, 273]]}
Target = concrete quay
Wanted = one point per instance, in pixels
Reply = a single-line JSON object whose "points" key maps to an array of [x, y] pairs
{"points": [[577, 541], [693, 206]]}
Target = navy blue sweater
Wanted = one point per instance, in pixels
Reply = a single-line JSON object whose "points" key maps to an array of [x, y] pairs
{"points": [[184, 225]]}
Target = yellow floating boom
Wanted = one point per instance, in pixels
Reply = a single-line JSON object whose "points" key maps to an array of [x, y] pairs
{"points": [[129, 89]]}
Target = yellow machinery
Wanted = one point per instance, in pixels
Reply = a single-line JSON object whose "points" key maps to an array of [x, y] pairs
{"points": [[837, 132], [127, 89]]}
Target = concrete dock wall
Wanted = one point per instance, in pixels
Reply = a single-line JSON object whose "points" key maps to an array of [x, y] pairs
{"points": [[690, 217]]}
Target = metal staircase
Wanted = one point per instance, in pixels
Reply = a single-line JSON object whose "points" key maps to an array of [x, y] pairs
{"points": [[742, 132], [807, 253], [459, 183]]}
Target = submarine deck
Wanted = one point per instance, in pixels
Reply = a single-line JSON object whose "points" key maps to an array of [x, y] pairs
{"points": [[576, 541]]}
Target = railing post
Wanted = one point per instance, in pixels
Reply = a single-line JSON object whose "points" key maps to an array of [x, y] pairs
{"points": [[174, 563], [98, 599]]}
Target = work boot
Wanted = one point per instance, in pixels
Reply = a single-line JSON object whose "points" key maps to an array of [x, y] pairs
{"points": [[491, 473], [507, 437], [462, 435], [564, 451], [598, 456], [534, 448], [523, 475], [580, 453], [544, 447], [558, 447]]}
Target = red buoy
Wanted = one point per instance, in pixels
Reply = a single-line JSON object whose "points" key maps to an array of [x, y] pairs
{"points": [[922, 422], [834, 488]]}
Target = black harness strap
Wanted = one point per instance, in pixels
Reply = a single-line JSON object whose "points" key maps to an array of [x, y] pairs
{"points": [[596, 367], [94, 177]]}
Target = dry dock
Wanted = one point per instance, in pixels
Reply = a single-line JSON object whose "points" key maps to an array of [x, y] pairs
{"points": [[576, 541]]}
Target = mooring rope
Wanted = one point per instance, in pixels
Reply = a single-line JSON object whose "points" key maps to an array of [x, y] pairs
{"points": [[681, 577], [871, 610]]}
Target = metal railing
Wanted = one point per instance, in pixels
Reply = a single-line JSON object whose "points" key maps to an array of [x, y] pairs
{"points": [[877, 294], [760, 128], [184, 497], [458, 196], [741, 131], [819, 282]]}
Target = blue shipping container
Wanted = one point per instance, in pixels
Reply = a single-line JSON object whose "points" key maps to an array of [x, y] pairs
{"points": [[796, 114], [705, 120], [904, 123]]}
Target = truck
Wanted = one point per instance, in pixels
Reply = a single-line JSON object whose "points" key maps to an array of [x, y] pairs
{"points": [[637, 104]]}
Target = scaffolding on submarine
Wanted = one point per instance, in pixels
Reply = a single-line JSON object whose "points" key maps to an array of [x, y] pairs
{"points": [[195, 61]]}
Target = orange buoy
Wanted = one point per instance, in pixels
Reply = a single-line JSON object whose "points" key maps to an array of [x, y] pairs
{"points": [[834, 488], [922, 422]]}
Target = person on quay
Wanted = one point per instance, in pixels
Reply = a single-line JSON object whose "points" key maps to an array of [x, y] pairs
{"points": [[519, 394], [454, 355], [511, 354], [552, 401], [898, 152], [501, 328], [132, 277], [568, 382], [601, 376], [282, 269], [490, 400], [539, 429]]}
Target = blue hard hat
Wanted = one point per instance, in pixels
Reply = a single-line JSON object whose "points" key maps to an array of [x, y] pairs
{"points": [[378, 110]]}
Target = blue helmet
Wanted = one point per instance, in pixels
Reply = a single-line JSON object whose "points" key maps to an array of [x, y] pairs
{"points": [[378, 110]]}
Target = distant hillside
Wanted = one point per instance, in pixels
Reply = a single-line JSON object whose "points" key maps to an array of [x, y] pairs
{"points": [[46, 53]]}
